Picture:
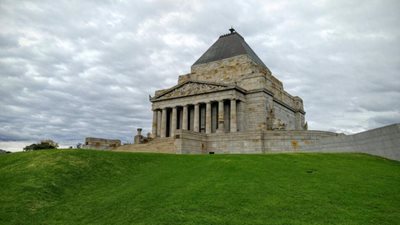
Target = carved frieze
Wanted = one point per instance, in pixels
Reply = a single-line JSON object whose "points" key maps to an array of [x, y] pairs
{"points": [[192, 88]]}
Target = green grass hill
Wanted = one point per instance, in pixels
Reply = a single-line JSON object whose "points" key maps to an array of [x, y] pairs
{"points": [[95, 187]]}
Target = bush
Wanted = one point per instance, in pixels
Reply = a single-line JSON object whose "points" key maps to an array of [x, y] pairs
{"points": [[47, 144]]}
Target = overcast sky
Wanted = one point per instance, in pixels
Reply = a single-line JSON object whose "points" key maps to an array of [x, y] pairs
{"points": [[71, 69]]}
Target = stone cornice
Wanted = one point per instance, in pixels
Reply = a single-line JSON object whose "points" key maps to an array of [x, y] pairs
{"points": [[261, 90], [289, 107], [276, 100]]}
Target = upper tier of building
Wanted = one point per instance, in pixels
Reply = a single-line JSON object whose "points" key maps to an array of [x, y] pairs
{"points": [[230, 61]]}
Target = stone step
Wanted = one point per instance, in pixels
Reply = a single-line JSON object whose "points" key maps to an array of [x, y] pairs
{"points": [[158, 145]]}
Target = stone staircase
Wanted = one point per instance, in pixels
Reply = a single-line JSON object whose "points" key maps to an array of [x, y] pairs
{"points": [[158, 145]]}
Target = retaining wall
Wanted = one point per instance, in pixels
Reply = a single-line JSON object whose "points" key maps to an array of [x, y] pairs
{"points": [[189, 142], [384, 141], [278, 141], [239, 142], [249, 142]]}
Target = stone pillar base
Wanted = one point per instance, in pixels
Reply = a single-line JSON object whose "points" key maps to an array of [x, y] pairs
{"points": [[221, 128]]}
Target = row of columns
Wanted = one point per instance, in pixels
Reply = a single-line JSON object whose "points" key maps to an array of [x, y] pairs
{"points": [[159, 126]]}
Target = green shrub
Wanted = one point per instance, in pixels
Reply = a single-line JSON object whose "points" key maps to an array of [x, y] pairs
{"points": [[46, 144]]}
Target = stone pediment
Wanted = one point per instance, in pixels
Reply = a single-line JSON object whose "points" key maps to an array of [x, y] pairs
{"points": [[190, 88]]}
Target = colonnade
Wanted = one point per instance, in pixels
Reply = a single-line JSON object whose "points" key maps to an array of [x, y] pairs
{"points": [[204, 117]]}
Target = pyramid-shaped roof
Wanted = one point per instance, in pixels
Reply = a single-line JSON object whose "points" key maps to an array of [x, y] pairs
{"points": [[228, 45]]}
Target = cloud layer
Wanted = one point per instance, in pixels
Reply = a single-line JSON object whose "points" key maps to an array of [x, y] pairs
{"points": [[71, 69]]}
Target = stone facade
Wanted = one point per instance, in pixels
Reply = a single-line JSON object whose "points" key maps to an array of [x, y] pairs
{"points": [[229, 90], [231, 94]]}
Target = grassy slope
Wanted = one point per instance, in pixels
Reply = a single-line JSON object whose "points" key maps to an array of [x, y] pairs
{"points": [[93, 187]]}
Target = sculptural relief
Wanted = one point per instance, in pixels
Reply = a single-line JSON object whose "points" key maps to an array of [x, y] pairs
{"points": [[192, 89]]}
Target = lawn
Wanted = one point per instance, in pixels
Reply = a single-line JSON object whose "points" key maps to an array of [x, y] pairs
{"points": [[95, 187]]}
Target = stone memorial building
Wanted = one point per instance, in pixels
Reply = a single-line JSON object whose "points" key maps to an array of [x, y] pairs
{"points": [[228, 90]]}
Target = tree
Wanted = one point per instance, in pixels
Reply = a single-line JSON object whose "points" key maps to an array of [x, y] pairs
{"points": [[45, 144]]}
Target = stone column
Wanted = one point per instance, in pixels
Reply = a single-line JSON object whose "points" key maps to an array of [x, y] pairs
{"points": [[173, 122], [233, 116], [220, 117], [159, 123], [185, 118], [196, 118], [154, 125], [208, 118], [163, 123]]}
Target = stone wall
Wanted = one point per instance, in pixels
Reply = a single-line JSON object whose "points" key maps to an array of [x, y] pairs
{"points": [[287, 116], [255, 111], [227, 71], [189, 142], [292, 141], [241, 142], [100, 143], [158, 145], [249, 142], [384, 141]]}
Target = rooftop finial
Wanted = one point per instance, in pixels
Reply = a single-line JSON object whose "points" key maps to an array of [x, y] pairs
{"points": [[232, 30]]}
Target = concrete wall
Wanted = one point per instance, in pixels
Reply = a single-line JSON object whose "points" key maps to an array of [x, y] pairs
{"points": [[384, 141]]}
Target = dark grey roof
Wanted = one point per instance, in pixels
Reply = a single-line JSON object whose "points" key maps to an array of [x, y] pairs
{"points": [[227, 46]]}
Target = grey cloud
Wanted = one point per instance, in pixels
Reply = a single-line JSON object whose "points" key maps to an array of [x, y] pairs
{"points": [[70, 69], [382, 120]]}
